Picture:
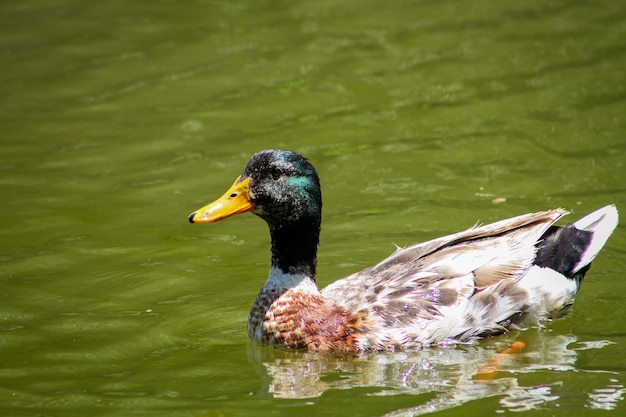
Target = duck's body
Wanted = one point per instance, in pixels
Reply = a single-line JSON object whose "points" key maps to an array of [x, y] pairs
{"points": [[483, 281]]}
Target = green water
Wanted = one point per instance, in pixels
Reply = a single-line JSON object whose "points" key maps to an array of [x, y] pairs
{"points": [[118, 119]]}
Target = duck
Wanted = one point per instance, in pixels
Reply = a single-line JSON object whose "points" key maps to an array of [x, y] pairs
{"points": [[487, 280]]}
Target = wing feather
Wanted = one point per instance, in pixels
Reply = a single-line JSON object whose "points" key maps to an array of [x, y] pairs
{"points": [[427, 280]]}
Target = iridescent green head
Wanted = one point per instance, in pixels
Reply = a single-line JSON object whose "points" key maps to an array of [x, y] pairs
{"points": [[282, 188]]}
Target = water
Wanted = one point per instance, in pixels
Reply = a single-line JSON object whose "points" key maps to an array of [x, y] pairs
{"points": [[422, 118]]}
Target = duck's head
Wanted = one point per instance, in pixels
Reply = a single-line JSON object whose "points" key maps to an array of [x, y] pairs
{"points": [[281, 187]]}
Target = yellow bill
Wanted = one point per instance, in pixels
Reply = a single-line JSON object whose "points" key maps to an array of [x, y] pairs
{"points": [[234, 201]]}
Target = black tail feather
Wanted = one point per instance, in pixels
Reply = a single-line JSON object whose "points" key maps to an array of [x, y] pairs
{"points": [[561, 248]]}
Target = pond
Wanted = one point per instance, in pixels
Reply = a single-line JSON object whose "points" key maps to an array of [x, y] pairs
{"points": [[423, 118]]}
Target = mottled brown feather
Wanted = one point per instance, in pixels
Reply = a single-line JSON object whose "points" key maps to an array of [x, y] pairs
{"points": [[301, 320]]}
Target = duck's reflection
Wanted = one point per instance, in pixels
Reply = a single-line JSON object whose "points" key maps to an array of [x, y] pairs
{"points": [[447, 376]]}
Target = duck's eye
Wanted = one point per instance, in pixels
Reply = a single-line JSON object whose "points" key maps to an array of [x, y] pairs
{"points": [[277, 173]]}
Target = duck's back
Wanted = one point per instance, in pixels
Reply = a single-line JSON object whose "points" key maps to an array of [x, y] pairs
{"points": [[482, 281]]}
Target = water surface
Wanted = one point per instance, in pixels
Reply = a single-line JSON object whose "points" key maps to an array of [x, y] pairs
{"points": [[422, 118]]}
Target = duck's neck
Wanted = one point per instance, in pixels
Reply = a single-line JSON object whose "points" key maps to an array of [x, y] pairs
{"points": [[294, 247]]}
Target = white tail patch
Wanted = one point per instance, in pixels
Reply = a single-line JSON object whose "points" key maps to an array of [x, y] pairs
{"points": [[601, 222], [548, 290]]}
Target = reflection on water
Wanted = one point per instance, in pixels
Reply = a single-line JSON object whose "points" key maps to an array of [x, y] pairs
{"points": [[444, 377], [606, 398]]}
